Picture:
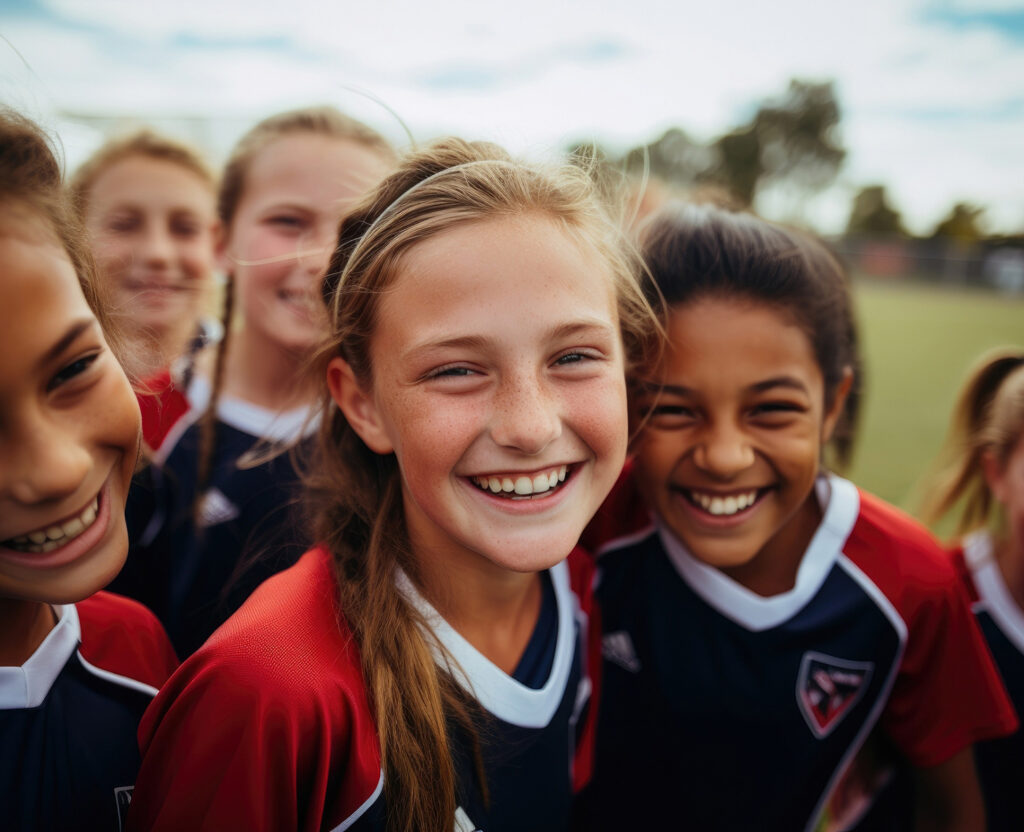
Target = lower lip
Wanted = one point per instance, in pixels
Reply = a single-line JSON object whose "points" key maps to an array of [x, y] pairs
{"points": [[70, 551], [718, 521], [536, 504]]}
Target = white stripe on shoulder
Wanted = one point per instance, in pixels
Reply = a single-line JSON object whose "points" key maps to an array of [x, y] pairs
{"points": [[885, 605], [502, 695], [995, 596], [366, 804], [840, 504], [27, 686], [117, 678]]}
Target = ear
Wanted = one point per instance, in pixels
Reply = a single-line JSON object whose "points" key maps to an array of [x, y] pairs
{"points": [[838, 401], [358, 406], [995, 476]]}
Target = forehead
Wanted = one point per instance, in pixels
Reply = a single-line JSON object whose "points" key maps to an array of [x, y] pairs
{"points": [[139, 179], [491, 266], [724, 341], [309, 167], [39, 295]]}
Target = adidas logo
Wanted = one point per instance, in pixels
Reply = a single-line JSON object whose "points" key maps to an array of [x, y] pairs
{"points": [[618, 649], [463, 823], [216, 508]]}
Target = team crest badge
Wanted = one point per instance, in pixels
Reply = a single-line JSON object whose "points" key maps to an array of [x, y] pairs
{"points": [[827, 688]]}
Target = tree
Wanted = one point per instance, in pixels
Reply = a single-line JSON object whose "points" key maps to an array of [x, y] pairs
{"points": [[872, 215], [962, 224]]}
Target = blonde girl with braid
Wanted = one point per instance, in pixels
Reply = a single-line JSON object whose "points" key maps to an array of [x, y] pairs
{"points": [[207, 531], [981, 484], [424, 667]]}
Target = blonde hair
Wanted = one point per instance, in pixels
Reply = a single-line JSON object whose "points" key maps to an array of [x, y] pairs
{"points": [[145, 143], [355, 494], [988, 419], [30, 180], [318, 121]]}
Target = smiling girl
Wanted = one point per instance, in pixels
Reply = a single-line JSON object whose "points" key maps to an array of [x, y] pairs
{"points": [[207, 531], [761, 616], [424, 667], [147, 204], [76, 672]]}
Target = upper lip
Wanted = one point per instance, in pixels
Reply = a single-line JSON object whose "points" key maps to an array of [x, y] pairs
{"points": [[56, 522], [533, 472], [715, 492]]}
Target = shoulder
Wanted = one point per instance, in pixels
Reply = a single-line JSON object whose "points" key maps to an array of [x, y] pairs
{"points": [[287, 644], [162, 404], [121, 636], [889, 544]]}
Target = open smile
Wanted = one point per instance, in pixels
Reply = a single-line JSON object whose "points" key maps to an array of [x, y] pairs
{"points": [[55, 535], [724, 505], [523, 486]]}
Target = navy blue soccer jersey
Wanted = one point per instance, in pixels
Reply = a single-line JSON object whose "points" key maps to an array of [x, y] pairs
{"points": [[725, 710], [1000, 761], [248, 735], [69, 716], [192, 567]]}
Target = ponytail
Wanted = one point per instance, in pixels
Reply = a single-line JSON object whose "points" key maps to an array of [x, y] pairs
{"points": [[988, 418]]}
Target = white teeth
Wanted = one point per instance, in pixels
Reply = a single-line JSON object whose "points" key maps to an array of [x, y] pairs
{"points": [[46, 540], [724, 506], [523, 486]]}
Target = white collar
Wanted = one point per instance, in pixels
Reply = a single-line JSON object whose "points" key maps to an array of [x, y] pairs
{"points": [[27, 686], [840, 503], [505, 697], [995, 597]]}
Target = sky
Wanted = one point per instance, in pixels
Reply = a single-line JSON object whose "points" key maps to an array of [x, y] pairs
{"points": [[931, 91]]}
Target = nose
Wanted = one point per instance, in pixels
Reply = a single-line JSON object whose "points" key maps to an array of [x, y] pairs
{"points": [[723, 451], [156, 247], [45, 463], [316, 248], [527, 416]]}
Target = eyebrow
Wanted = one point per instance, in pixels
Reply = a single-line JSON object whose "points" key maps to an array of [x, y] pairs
{"points": [[67, 339], [785, 382], [565, 330]]}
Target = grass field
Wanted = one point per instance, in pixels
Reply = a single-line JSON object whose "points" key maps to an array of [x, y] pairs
{"points": [[918, 343]]}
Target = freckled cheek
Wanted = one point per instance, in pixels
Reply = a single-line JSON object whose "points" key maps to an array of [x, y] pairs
{"points": [[599, 414]]}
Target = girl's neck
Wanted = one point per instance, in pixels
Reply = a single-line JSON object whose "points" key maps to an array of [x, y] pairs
{"points": [[773, 570], [264, 374], [23, 626], [494, 609]]}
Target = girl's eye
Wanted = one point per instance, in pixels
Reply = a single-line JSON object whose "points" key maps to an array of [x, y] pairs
{"points": [[71, 371], [288, 222], [123, 224], [451, 372], [667, 413], [776, 408], [184, 228], [574, 357]]}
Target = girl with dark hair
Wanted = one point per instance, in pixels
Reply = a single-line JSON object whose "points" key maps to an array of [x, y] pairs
{"points": [[761, 616], [77, 666]]}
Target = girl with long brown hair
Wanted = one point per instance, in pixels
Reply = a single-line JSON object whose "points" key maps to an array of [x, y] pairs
{"points": [[205, 529], [424, 667]]}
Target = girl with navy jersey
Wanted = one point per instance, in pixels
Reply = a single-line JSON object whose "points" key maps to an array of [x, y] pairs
{"points": [[424, 667], [77, 667], [208, 522], [982, 482], [760, 616]]}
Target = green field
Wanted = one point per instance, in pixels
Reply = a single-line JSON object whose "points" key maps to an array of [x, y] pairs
{"points": [[918, 343]]}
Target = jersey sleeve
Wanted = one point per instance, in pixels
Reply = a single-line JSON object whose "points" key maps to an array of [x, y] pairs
{"points": [[227, 746], [121, 636], [948, 693]]}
